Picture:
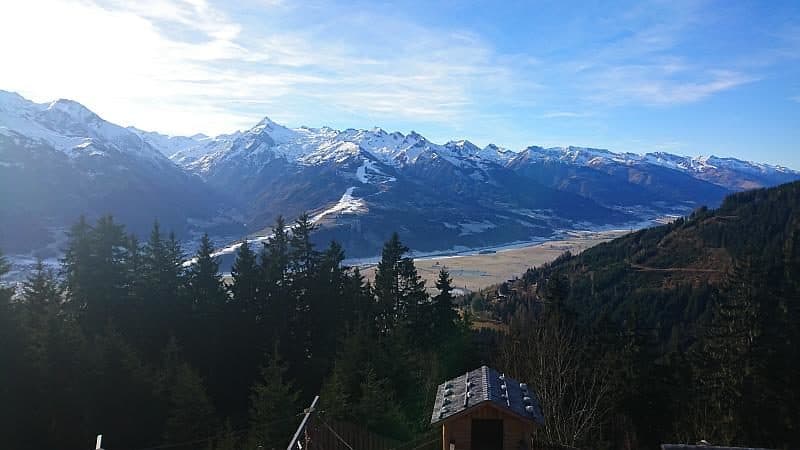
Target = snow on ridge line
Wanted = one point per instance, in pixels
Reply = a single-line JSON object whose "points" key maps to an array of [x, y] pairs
{"points": [[347, 204]]}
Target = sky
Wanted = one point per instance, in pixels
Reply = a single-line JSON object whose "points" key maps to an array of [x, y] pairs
{"points": [[687, 77]]}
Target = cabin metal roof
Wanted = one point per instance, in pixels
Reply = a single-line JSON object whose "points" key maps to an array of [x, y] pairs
{"points": [[481, 385]]}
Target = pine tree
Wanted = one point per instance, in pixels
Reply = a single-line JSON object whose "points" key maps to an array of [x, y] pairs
{"points": [[94, 266], [273, 406], [303, 258], [444, 313], [11, 354], [41, 292], [190, 414], [273, 307], [41, 298], [378, 409], [727, 357], [387, 284], [275, 254], [161, 280], [360, 313], [246, 278], [162, 266], [335, 396], [76, 264], [204, 283], [205, 335]]}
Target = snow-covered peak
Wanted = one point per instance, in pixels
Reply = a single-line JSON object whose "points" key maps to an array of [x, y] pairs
{"points": [[170, 145], [73, 109], [701, 164], [277, 133], [463, 147], [580, 156], [497, 154], [13, 102], [70, 127]]}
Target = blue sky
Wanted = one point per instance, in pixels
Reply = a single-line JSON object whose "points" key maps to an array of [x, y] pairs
{"points": [[694, 77]]}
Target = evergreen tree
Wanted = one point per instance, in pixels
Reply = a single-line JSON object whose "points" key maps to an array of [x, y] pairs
{"points": [[335, 398], [303, 258], [273, 292], [161, 279], [273, 406], [415, 304], [387, 289], [162, 266], [444, 313], [360, 312], [41, 293], [727, 353], [378, 409], [41, 297], [94, 266], [205, 335], [76, 264], [190, 414], [11, 354], [246, 278], [397, 285], [204, 283]]}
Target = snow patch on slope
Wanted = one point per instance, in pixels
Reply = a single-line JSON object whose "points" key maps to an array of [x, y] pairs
{"points": [[346, 205]]}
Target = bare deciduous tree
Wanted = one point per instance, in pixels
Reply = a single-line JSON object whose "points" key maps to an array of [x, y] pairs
{"points": [[573, 397]]}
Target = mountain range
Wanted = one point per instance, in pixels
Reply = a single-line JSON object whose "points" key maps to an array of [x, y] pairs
{"points": [[59, 160]]}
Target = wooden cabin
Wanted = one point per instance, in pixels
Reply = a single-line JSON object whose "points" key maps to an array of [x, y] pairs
{"points": [[485, 410]]}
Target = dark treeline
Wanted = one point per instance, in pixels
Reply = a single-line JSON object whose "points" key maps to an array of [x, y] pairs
{"points": [[676, 333], [694, 328], [128, 342]]}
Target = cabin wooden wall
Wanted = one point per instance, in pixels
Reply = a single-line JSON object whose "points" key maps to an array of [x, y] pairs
{"points": [[460, 429]]}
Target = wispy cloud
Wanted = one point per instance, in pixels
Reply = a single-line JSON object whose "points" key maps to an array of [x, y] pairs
{"points": [[645, 60], [659, 85], [184, 66], [562, 114], [202, 66]]}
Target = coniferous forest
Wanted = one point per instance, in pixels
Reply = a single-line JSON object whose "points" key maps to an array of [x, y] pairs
{"points": [[128, 342], [677, 333]]}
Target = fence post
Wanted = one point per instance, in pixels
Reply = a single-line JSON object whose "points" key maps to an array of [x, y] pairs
{"points": [[302, 426]]}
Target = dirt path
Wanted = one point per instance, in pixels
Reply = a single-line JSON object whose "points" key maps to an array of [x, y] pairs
{"points": [[642, 268]]}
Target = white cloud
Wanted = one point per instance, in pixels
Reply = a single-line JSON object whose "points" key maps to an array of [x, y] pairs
{"points": [[184, 66], [562, 114], [658, 85]]}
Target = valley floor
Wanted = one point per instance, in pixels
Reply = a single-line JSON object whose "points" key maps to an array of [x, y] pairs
{"points": [[476, 271]]}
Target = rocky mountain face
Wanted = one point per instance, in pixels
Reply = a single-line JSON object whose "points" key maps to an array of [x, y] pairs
{"points": [[358, 185]]}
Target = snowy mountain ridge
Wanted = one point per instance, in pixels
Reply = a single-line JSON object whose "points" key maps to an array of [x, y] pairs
{"points": [[70, 127], [59, 160], [309, 146]]}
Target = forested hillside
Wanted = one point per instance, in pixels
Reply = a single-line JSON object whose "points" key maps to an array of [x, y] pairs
{"points": [[127, 342], [677, 333], [695, 325]]}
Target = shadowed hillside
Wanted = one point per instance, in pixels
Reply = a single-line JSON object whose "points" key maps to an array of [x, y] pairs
{"points": [[697, 321]]}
